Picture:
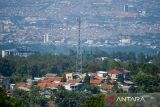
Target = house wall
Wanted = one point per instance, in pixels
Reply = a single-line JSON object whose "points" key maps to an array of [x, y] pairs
{"points": [[67, 87], [69, 76], [113, 76], [100, 75], [103, 75]]}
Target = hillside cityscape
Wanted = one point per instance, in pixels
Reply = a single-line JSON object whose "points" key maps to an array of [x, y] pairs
{"points": [[79, 53], [104, 22]]}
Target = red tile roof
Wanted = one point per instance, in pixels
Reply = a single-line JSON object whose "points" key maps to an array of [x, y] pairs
{"points": [[106, 86], [96, 80], [48, 85], [22, 84], [51, 79], [73, 81], [118, 71]]}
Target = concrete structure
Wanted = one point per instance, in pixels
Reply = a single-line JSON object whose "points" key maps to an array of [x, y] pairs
{"points": [[50, 75], [17, 52], [102, 74], [69, 76], [118, 73], [46, 38], [73, 87], [102, 58], [75, 75], [89, 42], [126, 8], [12, 86], [125, 42]]}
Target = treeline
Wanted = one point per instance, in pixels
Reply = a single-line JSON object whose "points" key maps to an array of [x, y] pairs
{"points": [[35, 66], [40, 64], [131, 57], [145, 76]]}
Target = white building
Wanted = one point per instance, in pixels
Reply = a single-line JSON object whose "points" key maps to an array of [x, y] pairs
{"points": [[74, 76], [16, 52], [89, 42], [71, 86], [125, 42], [102, 74], [46, 38], [102, 58]]}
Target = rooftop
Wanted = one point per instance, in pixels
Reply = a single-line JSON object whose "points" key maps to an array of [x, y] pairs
{"points": [[106, 86], [101, 72], [118, 71], [73, 81], [49, 85]]}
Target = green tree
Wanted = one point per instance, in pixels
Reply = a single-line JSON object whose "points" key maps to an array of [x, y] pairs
{"points": [[95, 101], [87, 79], [115, 65], [94, 89], [6, 101], [147, 83], [141, 58], [32, 98], [7, 68]]}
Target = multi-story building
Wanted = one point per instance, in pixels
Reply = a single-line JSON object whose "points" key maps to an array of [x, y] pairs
{"points": [[18, 52]]}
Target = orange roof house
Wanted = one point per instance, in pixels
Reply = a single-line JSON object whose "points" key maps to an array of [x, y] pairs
{"points": [[118, 71], [97, 80], [73, 81], [114, 73], [43, 85], [51, 79], [106, 86]]}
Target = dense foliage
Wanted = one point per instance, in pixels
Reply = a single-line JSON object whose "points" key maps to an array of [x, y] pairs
{"points": [[32, 98], [6, 101]]}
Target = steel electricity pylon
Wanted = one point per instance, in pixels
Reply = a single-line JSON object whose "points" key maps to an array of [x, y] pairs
{"points": [[79, 49]]}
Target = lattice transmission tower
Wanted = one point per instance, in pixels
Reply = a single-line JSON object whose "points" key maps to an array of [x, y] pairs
{"points": [[79, 49]]}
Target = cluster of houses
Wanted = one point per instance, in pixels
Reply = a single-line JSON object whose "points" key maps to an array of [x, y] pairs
{"points": [[106, 81]]}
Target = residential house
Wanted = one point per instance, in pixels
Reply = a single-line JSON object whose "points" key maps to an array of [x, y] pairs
{"points": [[75, 75], [106, 87], [96, 80], [102, 74], [50, 85], [126, 85], [73, 86], [74, 81], [116, 74], [69, 76], [50, 82], [102, 58], [23, 86]]}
